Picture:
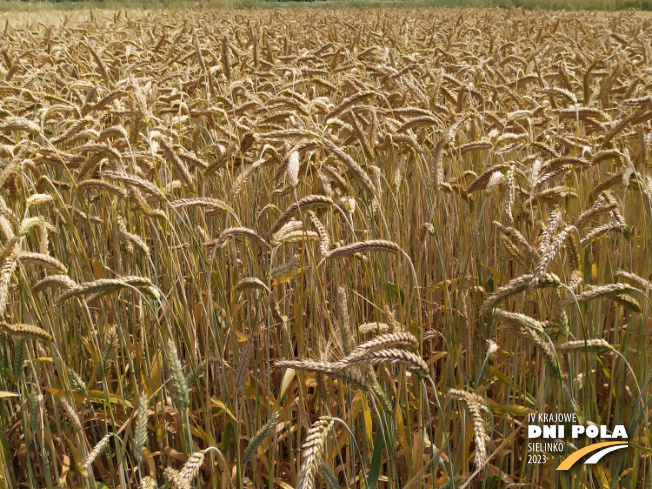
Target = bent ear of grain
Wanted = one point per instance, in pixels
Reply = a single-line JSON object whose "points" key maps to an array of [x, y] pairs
{"points": [[352, 166], [519, 284], [390, 340], [25, 331], [375, 245], [413, 362], [475, 405], [106, 286], [305, 204], [174, 478], [239, 231], [348, 375]]}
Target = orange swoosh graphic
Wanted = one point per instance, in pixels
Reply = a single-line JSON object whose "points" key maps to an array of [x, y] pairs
{"points": [[571, 459]]}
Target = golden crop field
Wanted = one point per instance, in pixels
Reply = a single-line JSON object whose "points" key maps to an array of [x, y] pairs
{"points": [[323, 249]]}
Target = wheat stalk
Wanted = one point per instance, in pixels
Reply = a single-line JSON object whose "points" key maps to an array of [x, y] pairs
{"points": [[519, 284], [641, 282], [25, 331], [177, 380], [519, 319], [475, 404], [410, 360], [39, 259], [344, 321], [569, 233], [351, 165], [595, 345], [147, 483], [9, 262], [239, 231], [303, 205], [380, 343], [311, 452], [140, 432], [597, 293], [134, 181], [245, 360], [365, 247], [324, 238], [97, 449], [330, 369], [258, 438], [106, 286], [540, 343], [175, 479]]}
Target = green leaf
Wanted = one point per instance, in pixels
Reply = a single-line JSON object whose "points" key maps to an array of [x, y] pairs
{"points": [[227, 435], [503, 378], [490, 284], [215, 402], [376, 460], [396, 291], [93, 395], [640, 448]]}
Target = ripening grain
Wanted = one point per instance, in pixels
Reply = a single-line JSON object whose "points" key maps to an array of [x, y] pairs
{"points": [[320, 249]]}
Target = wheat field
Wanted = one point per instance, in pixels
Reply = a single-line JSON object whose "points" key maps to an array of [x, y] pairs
{"points": [[321, 249]]}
